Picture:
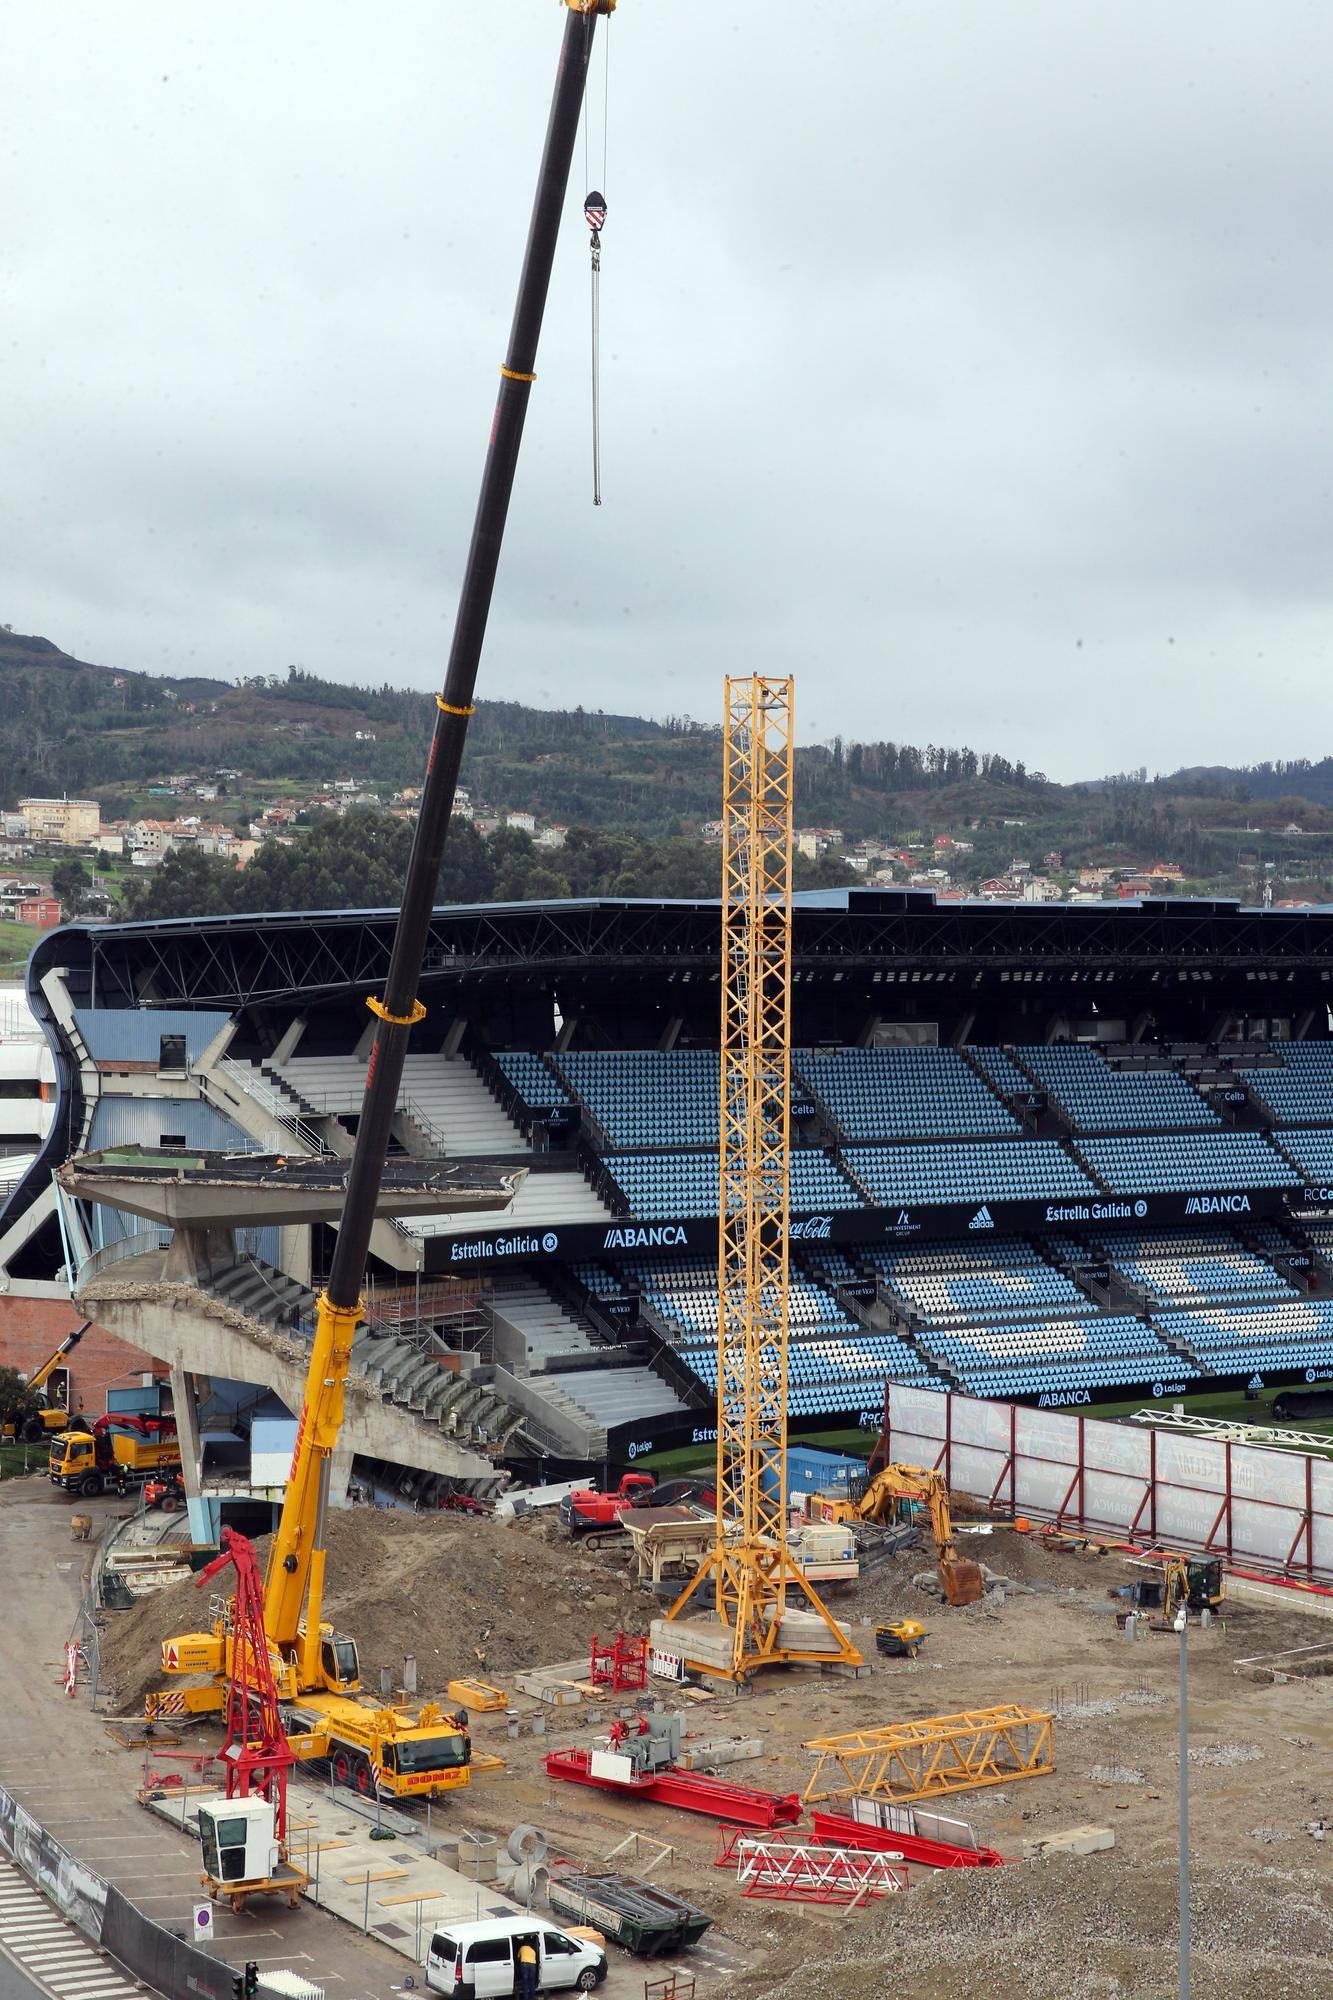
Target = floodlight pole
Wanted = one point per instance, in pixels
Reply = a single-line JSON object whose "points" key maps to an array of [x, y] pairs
{"points": [[1183, 1973]]}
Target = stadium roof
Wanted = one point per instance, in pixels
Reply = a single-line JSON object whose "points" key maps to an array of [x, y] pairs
{"points": [[230, 962]]}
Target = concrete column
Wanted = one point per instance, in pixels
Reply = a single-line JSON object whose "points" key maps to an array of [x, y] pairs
{"points": [[194, 1253], [294, 1255], [202, 1526], [340, 1473], [287, 1044]]}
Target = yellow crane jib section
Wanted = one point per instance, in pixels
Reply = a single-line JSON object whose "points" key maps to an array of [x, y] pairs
{"points": [[935, 1756], [591, 6], [296, 1558]]}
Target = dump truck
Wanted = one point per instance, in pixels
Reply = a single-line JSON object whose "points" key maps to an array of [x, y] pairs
{"points": [[90, 1462]]}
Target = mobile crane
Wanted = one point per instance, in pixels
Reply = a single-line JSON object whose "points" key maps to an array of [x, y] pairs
{"points": [[30, 1422], [960, 1579], [316, 1672]]}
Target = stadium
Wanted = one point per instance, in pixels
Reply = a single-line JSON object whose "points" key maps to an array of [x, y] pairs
{"points": [[1049, 1156]]}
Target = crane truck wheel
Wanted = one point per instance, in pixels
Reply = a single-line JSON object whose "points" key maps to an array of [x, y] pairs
{"points": [[90, 1485], [34, 1431], [363, 1778], [342, 1767]]}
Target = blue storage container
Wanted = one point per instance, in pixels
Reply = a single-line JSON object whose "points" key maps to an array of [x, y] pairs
{"points": [[810, 1471]]}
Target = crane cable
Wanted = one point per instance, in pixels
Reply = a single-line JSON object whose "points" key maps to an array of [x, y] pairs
{"points": [[594, 214]]}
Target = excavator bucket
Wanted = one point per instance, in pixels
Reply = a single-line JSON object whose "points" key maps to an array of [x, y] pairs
{"points": [[961, 1581]]}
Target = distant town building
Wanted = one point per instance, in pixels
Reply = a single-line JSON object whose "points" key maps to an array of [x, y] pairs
{"points": [[553, 836], [44, 911], [72, 822], [525, 822]]}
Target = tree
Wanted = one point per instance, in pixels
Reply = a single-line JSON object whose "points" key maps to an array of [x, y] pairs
{"points": [[16, 1399], [188, 884], [68, 879]]}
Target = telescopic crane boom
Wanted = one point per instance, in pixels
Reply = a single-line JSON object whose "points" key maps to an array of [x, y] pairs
{"points": [[310, 1658], [294, 1583]]}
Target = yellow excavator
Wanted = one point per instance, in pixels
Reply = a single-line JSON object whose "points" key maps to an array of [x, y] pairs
{"points": [[34, 1420], [960, 1579]]}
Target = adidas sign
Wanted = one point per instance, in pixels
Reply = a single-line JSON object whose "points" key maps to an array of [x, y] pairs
{"points": [[982, 1220]]}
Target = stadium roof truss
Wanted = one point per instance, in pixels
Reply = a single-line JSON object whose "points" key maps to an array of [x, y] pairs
{"points": [[240, 961]]}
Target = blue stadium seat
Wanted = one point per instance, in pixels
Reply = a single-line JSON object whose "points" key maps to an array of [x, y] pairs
{"points": [[1207, 1163], [911, 1093], [1017, 1170]]}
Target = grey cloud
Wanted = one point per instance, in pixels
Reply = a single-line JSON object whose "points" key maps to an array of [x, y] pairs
{"points": [[970, 363]]}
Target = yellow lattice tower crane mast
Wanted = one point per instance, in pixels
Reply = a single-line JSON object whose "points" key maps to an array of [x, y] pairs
{"points": [[752, 1573]]}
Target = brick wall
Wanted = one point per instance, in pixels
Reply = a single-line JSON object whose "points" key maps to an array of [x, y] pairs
{"points": [[30, 1328]]}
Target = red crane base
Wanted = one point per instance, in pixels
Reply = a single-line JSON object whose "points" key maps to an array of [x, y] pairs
{"points": [[738, 1805], [832, 1830]]}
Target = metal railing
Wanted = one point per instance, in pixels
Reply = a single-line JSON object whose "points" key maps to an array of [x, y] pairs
{"points": [[247, 1080], [143, 1243]]}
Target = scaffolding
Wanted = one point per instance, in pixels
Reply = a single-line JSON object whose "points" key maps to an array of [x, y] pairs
{"points": [[937, 1755], [749, 1569]]}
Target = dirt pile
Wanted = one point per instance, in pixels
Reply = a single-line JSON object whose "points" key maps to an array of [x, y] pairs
{"points": [[466, 1596], [1097, 1929]]}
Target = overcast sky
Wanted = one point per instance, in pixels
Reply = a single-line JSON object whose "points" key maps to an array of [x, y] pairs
{"points": [[970, 361]]}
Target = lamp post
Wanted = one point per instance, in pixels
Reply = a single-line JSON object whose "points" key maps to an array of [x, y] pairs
{"points": [[1183, 1973]]}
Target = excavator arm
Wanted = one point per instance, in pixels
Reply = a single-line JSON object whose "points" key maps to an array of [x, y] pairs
{"points": [[960, 1579], [53, 1361]]}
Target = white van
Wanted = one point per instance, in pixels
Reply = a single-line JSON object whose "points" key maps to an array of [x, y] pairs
{"points": [[482, 1958]]}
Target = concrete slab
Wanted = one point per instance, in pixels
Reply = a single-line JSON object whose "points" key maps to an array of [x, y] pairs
{"points": [[1075, 1840]]}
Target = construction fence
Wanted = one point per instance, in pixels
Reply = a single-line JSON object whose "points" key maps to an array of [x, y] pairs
{"points": [[167, 1963], [1260, 1507]]}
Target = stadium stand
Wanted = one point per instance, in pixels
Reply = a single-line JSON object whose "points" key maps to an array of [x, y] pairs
{"points": [[1300, 1092], [686, 1184], [1233, 1340], [1003, 1071], [647, 1097], [1181, 1268], [828, 1377], [1056, 1356], [1095, 1098], [1207, 1162], [1312, 1152], [998, 1170], [952, 1283], [910, 1093], [534, 1084]]}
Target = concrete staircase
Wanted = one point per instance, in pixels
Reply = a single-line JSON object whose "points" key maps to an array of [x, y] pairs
{"points": [[577, 1385], [410, 1373], [261, 1292]]}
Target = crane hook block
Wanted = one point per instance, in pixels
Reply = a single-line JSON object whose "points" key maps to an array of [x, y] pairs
{"points": [[594, 211]]}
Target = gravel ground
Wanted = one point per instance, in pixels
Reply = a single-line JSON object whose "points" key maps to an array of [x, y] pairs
{"points": [[1099, 1928]]}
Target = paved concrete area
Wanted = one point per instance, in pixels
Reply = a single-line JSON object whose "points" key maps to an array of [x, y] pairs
{"points": [[359, 1941], [50, 1956], [57, 1760]]}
